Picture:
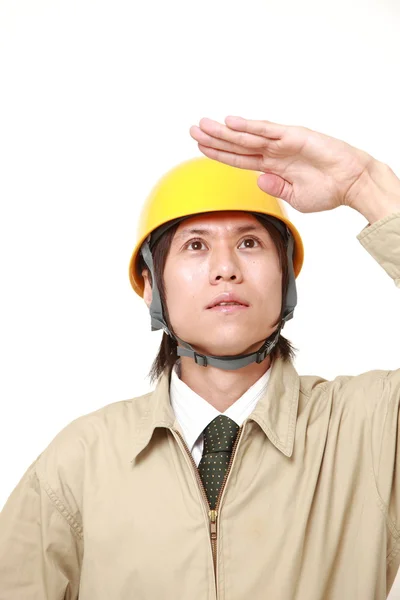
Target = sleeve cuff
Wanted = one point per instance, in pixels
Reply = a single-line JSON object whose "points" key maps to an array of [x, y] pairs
{"points": [[382, 241]]}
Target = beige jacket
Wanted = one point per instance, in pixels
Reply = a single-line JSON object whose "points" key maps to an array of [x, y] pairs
{"points": [[113, 508]]}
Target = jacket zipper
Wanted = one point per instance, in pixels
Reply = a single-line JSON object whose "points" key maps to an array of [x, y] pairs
{"points": [[212, 514]]}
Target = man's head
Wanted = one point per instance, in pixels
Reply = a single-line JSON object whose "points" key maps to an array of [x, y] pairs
{"points": [[192, 268]]}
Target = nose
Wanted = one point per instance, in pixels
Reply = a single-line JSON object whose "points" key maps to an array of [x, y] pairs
{"points": [[224, 265]]}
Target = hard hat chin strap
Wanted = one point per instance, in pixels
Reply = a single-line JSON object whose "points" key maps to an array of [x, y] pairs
{"points": [[227, 363], [230, 363]]}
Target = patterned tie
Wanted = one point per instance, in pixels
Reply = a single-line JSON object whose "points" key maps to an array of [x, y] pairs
{"points": [[219, 437]]}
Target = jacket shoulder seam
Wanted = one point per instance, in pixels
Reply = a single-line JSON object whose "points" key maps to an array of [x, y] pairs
{"points": [[76, 527], [308, 394]]}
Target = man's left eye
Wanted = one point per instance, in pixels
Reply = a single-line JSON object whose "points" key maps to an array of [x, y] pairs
{"points": [[251, 240]]}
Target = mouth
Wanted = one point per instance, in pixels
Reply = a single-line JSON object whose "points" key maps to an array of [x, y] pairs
{"points": [[228, 308]]}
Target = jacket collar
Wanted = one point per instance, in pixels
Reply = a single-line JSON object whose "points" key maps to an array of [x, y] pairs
{"points": [[275, 412]]}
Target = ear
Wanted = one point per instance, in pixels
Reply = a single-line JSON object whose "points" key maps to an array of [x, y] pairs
{"points": [[148, 292]]}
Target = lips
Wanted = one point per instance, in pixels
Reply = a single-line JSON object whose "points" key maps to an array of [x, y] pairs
{"points": [[227, 297]]}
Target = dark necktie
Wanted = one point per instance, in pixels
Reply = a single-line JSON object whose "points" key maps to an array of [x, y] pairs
{"points": [[219, 437]]}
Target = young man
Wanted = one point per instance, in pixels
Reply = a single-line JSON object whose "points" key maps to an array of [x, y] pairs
{"points": [[236, 477]]}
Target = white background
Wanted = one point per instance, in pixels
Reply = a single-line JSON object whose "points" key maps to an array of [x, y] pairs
{"points": [[96, 102]]}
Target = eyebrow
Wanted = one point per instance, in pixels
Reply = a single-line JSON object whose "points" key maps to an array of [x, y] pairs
{"points": [[236, 230]]}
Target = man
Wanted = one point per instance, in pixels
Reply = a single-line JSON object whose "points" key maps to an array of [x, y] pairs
{"points": [[167, 495]]}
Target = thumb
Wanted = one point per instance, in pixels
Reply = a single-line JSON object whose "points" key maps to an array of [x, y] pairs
{"points": [[274, 185]]}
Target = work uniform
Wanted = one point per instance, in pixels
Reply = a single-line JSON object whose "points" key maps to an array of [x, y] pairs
{"points": [[113, 508]]}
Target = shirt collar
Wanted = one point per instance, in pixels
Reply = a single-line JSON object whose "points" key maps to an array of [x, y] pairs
{"points": [[275, 411], [194, 413]]}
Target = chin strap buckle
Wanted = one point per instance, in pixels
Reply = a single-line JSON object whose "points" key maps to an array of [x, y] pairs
{"points": [[200, 359], [261, 354], [268, 346]]}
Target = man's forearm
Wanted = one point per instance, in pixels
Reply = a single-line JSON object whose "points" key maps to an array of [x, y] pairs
{"points": [[379, 194]]}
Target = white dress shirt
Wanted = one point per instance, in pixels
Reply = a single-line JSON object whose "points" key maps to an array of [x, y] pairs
{"points": [[194, 413]]}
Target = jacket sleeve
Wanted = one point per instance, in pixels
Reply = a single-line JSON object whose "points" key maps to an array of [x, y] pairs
{"points": [[41, 542], [385, 444], [382, 241]]}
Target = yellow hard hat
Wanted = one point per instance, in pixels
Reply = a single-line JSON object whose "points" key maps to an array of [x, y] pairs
{"points": [[201, 185]]}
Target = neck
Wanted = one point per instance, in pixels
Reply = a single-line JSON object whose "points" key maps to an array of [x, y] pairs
{"points": [[218, 387]]}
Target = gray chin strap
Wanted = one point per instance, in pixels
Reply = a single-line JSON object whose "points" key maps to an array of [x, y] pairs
{"points": [[227, 363]]}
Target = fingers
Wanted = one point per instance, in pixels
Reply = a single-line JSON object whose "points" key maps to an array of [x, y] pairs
{"points": [[252, 127], [237, 142], [253, 163], [240, 138], [212, 142]]}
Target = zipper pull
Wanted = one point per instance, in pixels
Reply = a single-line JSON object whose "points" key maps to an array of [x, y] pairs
{"points": [[213, 523]]}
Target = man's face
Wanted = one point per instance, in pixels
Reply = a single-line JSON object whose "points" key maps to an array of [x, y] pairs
{"points": [[200, 266]]}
